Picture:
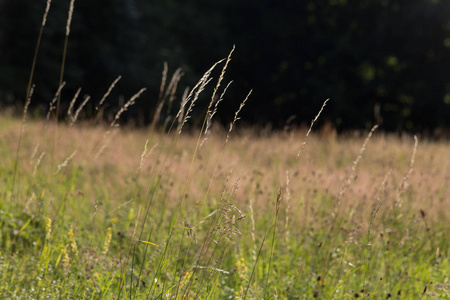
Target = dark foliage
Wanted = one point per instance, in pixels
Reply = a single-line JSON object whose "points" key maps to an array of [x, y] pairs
{"points": [[391, 54]]}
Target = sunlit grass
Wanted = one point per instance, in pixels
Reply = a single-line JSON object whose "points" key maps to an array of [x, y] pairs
{"points": [[76, 232]]}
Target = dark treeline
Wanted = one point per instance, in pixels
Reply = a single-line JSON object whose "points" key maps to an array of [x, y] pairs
{"points": [[366, 55]]}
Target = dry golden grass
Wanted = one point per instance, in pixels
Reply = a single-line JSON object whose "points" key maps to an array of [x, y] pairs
{"points": [[260, 163]]}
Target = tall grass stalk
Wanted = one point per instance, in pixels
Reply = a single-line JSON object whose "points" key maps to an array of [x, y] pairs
{"points": [[63, 62], [30, 88], [36, 49]]}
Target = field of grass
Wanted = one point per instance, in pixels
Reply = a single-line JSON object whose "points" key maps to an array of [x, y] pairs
{"points": [[102, 212], [92, 212]]}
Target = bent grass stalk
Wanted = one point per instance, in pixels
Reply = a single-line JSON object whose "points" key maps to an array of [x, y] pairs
{"points": [[107, 93], [77, 112], [72, 104], [125, 107], [310, 128]]}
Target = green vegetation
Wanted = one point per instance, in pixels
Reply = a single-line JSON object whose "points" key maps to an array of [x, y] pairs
{"points": [[247, 219]]}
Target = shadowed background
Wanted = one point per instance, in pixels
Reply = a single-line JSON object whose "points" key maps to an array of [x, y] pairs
{"points": [[386, 55]]}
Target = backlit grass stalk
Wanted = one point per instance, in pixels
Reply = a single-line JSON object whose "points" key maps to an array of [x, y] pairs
{"points": [[72, 104], [77, 112], [207, 121], [195, 92], [125, 107], [36, 50], [310, 128], [65, 163], [63, 62], [38, 162], [107, 92], [163, 80]]}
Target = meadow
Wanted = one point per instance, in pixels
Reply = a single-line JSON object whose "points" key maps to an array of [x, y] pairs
{"points": [[102, 212], [93, 210]]}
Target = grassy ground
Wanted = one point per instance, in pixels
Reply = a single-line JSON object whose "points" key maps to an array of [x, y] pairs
{"points": [[86, 212]]}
